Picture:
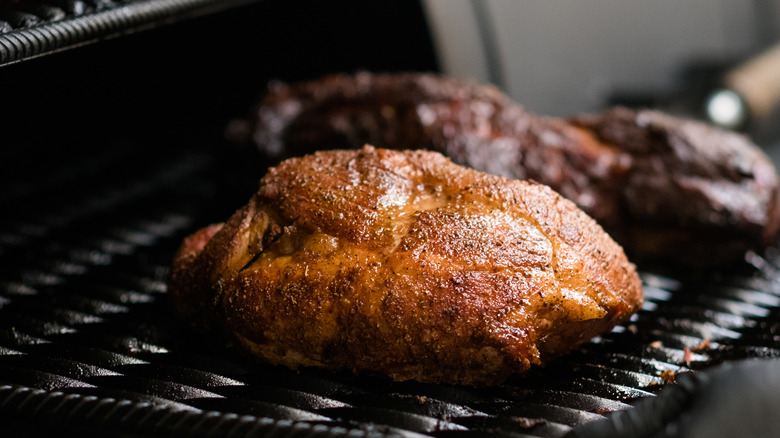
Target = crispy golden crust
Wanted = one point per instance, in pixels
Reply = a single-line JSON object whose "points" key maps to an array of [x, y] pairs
{"points": [[405, 264]]}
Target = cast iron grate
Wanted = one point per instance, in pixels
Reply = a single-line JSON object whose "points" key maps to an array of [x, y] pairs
{"points": [[86, 339]]}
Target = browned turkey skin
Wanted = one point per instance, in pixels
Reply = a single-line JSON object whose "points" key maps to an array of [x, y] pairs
{"points": [[667, 189], [404, 264]]}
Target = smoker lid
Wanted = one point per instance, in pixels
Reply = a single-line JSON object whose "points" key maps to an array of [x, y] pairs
{"points": [[30, 28], [87, 343]]}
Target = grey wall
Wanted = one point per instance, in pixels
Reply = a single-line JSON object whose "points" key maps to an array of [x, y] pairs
{"points": [[565, 57]]}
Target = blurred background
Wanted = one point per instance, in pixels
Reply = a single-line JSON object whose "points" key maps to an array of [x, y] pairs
{"points": [[564, 58], [560, 58]]}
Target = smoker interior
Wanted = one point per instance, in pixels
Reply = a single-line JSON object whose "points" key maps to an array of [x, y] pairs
{"points": [[113, 153]]}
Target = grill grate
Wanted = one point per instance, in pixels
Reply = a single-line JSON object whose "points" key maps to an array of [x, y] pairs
{"points": [[86, 338]]}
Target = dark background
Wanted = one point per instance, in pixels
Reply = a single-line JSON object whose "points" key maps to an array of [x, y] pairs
{"points": [[192, 77], [178, 86]]}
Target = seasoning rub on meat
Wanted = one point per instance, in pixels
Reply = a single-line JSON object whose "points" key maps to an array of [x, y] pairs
{"points": [[404, 264]]}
